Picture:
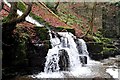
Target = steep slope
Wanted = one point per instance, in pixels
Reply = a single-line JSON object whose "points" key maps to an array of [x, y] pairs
{"points": [[78, 15], [29, 27], [41, 10]]}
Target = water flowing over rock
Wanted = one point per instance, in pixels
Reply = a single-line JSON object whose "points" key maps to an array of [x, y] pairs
{"points": [[67, 52], [69, 58]]}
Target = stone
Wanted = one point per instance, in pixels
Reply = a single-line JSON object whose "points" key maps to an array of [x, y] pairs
{"points": [[94, 47]]}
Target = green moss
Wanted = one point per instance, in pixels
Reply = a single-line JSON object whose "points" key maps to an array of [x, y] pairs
{"points": [[39, 19], [51, 6], [71, 30], [107, 43], [72, 19], [66, 28], [98, 40], [59, 28], [21, 6], [98, 37], [21, 38], [108, 50], [47, 44], [5, 19], [42, 33]]}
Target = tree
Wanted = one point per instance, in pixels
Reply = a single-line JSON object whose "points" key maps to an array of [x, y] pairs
{"points": [[57, 4], [8, 26], [12, 17], [92, 18]]}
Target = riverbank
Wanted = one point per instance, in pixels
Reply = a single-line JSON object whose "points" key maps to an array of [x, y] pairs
{"points": [[98, 70], [112, 66]]}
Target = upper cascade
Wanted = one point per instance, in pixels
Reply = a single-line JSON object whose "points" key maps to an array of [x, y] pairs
{"points": [[67, 51]]}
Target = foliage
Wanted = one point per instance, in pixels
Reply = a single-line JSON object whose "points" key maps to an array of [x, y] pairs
{"points": [[60, 28], [5, 19], [107, 49], [71, 19], [51, 6], [21, 36], [39, 19], [21, 6], [98, 37], [42, 33]]}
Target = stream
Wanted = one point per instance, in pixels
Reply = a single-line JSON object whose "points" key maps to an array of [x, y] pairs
{"points": [[77, 68], [75, 64], [112, 66], [107, 68]]}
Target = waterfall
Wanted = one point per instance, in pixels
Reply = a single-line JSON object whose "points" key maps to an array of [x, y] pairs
{"points": [[65, 48]]}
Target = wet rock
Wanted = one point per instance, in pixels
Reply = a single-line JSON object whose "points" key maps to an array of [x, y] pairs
{"points": [[83, 59], [64, 60], [94, 47], [100, 78]]}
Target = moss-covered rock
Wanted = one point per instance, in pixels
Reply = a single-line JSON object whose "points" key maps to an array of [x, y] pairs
{"points": [[94, 47], [102, 47], [65, 28], [42, 33]]}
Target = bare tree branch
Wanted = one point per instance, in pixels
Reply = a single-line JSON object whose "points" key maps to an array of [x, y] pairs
{"points": [[22, 18], [57, 4], [19, 19]]}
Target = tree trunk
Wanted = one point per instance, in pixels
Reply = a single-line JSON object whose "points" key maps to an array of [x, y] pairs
{"points": [[92, 18], [9, 44], [57, 4]]}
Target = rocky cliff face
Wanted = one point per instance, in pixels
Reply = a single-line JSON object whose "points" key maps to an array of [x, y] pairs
{"points": [[111, 20]]}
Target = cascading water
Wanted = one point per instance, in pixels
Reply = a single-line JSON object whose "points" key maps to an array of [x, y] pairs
{"points": [[68, 58], [64, 41]]}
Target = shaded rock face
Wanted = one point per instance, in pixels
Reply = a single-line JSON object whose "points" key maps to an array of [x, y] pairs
{"points": [[94, 47], [36, 56], [83, 59], [96, 51], [38, 49], [64, 60], [111, 21]]}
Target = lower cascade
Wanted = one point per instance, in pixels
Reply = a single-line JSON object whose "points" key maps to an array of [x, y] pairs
{"points": [[68, 58], [67, 53]]}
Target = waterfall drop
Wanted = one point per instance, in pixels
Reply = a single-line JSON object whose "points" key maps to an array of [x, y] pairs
{"points": [[67, 58], [65, 52]]}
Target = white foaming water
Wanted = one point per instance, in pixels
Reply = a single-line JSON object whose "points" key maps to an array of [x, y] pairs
{"points": [[52, 59], [49, 75], [66, 41], [113, 72], [83, 46]]}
